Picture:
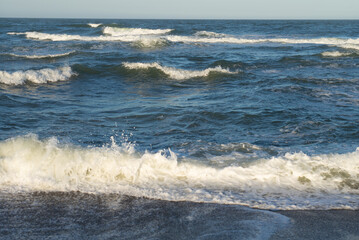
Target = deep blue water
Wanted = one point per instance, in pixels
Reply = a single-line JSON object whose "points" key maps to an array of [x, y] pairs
{"points": [[265, 112]]}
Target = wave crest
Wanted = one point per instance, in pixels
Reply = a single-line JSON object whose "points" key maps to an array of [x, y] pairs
{"points": [[137, 34], [42, 56], [293, 181], [94, 25], [36, 76], [174, 73], [116, 31]]}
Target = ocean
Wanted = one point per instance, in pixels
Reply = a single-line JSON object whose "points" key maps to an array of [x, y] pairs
{"points": [[179, 129]]}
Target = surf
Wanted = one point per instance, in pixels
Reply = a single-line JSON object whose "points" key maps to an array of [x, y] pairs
{"points": [[40, 76], [175, 73], [289, 181]]}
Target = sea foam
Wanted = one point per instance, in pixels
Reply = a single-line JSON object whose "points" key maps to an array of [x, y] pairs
{"points": [[36, 76], [291, 181], [42, 56], [335, 54], [138, 34], [116, 31], [178, 74]]}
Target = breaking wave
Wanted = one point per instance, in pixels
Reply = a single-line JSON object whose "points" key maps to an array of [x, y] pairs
{"points": [[116, 31], [292, 181], [94, 25], [178, 74], [209, 34], [42, 56], [335, 54], [138, 34], [36, 76]]}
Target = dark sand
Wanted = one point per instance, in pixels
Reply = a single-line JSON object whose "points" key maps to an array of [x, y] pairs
{"points": [[74, 215]]}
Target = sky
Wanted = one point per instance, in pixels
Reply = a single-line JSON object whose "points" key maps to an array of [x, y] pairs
{"points": [[182, 9]]}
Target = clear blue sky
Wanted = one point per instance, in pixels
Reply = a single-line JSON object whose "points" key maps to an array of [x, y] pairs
{"points": [[209, 9]]}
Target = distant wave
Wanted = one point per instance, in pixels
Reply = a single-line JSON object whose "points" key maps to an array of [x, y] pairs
{"points": [[94, 25], [42, 56], [36, 76], [209, 34], [174, 73], [67, 37], [292, 181], [116, 31], [138, 34], [335, 54]]}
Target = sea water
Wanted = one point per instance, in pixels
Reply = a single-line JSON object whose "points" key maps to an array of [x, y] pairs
{"points": [[234, 114]]}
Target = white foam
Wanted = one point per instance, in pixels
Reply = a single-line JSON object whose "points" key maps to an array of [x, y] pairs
{"points": [[174, 73], [335, 54], [67, 37], [42, 56], [94, 25], [235, 40], [209, 34], [139, 34], [116, 31], [150, 43], [293, 181], [36, 76]]}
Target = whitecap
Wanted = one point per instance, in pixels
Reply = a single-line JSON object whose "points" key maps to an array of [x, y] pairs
{"points": [[36, 76], [116, 31], [175, 73], [209, 34], [94, 25], [42, 56]]}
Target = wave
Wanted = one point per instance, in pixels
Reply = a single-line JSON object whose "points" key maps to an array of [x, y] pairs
{"points": [[292, 181], [178, 74], [42, 56], [139, 34], [209, 34], [94, 25], [67, 37], [36, 76], [335, 54], [117, 31]]}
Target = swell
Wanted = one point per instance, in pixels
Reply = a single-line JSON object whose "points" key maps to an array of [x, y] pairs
{"points": [[290, 181], [40, 76]]}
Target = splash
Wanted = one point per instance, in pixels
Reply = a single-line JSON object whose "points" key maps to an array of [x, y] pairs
{"points": [[36, 76], [292, 181], [177, 74]]}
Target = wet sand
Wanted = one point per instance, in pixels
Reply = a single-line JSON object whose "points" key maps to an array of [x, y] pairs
{"points": [[75, 215], [328, 224]]}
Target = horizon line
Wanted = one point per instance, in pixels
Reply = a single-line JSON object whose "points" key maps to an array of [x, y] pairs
{"points": [[207, 19]]}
